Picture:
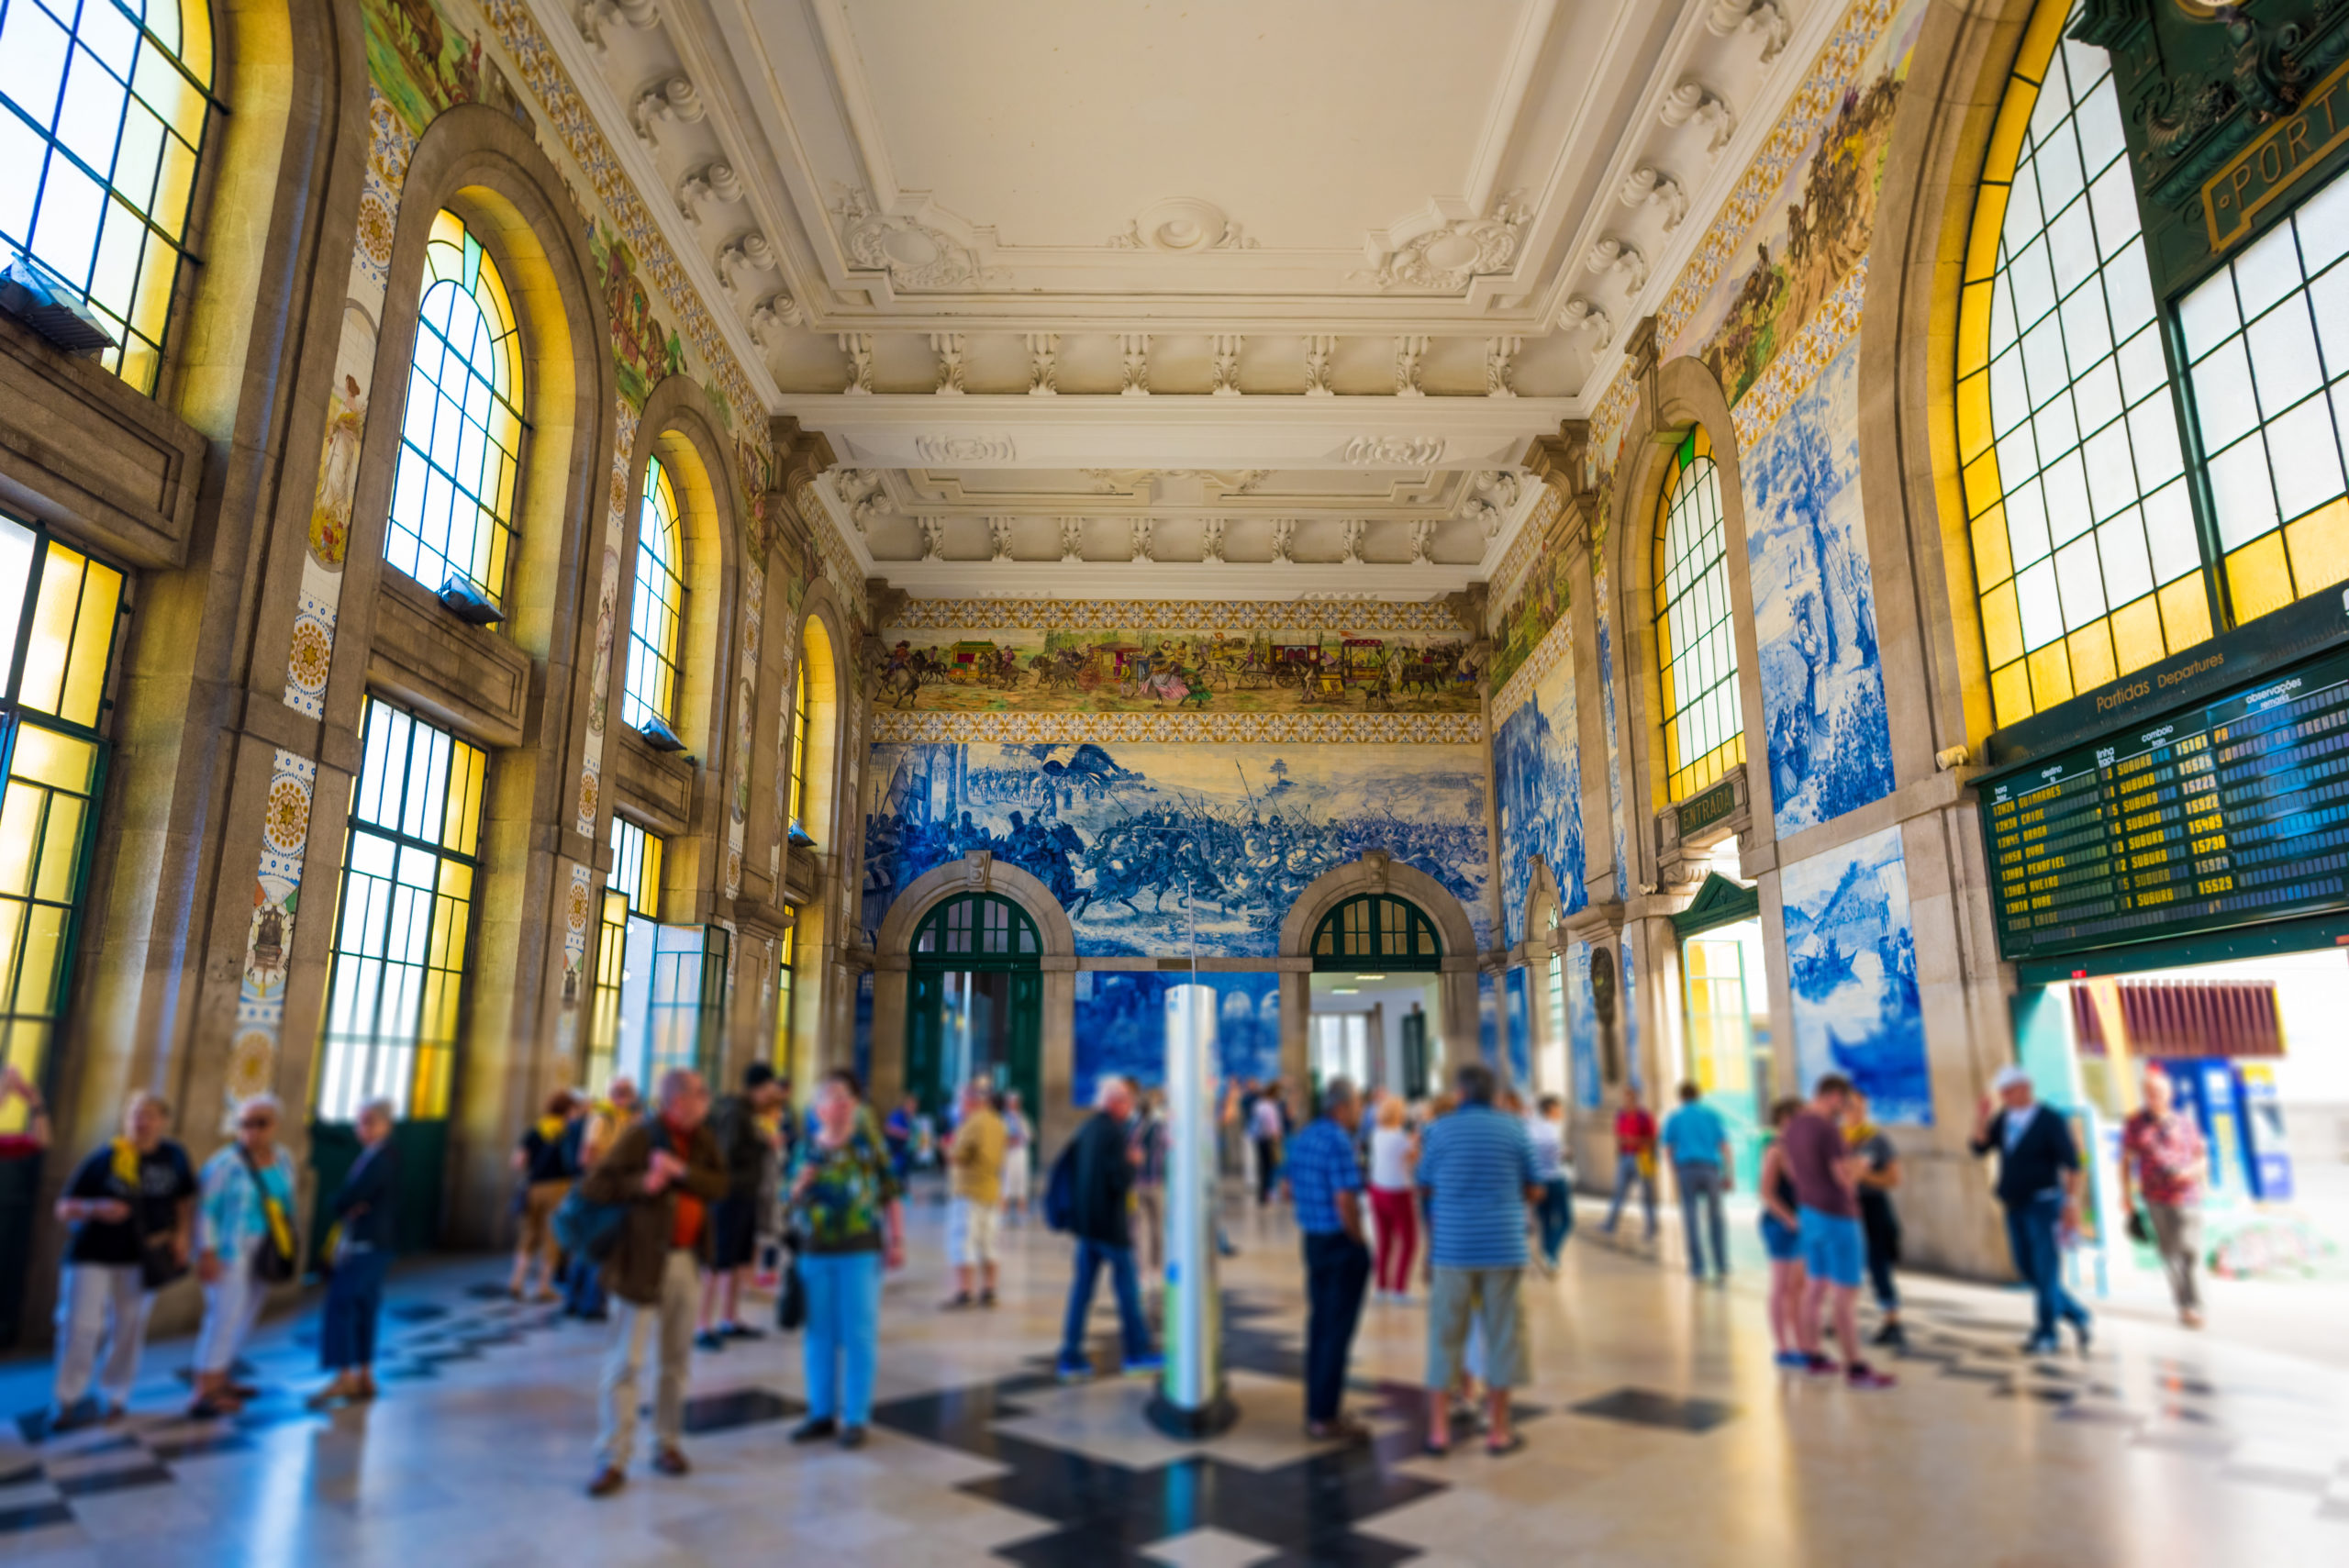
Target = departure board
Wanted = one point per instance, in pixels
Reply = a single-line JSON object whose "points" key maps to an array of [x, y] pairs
{"points": [[2226, 814]]}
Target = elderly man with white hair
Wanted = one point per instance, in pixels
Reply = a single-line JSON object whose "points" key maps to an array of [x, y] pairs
{"points": [[2039, 1186], [244, 1245], [974, 1167], [1101, 1161]]}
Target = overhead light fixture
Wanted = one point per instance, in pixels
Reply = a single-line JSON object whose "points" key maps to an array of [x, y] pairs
{"points": [[1370, 977], [51, 308], [1343, 991], [468, 603]]}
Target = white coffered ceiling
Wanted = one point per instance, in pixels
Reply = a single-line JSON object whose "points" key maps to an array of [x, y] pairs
{"points": [[1363, 248]]}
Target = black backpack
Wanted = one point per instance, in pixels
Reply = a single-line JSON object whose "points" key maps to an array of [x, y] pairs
{"points": [[1060, 1190]]}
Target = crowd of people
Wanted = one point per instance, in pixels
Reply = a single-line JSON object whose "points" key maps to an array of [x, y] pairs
{"points": [[659, 1220]]}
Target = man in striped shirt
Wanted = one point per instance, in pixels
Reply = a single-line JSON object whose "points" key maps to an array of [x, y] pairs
{"points": [[1475, 1177], [1325, 1183]]}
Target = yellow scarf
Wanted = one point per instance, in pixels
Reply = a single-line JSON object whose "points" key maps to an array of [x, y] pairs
{"points": [[126, 1163], [551, 1127]]}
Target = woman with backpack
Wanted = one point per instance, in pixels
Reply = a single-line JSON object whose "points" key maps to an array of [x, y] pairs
{"points": [[244, 1245], [844, 1191]]}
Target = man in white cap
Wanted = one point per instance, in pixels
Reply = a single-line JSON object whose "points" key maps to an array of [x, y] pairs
{"points": [[2039, 1185]]}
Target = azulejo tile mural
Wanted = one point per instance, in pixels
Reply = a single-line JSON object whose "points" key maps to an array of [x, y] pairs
{"points": [[1814, 608], [1537, 783], [1340, 669], [1120, 832], [1121, 1026], [1852, 966]]}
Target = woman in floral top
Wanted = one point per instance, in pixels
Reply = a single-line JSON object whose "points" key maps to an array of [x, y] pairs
{"points": [[844, 1194]]}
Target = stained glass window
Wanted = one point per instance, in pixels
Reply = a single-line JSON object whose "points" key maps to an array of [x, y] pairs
{"points": [[460, 429], [2266, 344], [65, 611], [2086, 557], [408, 875], [1704, 724], [799, 746], [657, 613], [604, 1004], [1372, 930], [636, 868], [106, 106], [782, 992]]}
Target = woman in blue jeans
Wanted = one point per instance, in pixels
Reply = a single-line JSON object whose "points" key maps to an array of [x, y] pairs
{"points": [[844, 1190], [366, 1212]]}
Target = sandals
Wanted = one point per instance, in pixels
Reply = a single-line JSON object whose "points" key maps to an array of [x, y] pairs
{"points": [[1502, 1450]]}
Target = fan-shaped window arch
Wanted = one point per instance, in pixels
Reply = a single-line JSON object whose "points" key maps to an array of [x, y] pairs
{"points": [[2087, 561], [1696, 637], [977, 930], [1376, 929], [102, 123], [656, 616], [460, 428]]}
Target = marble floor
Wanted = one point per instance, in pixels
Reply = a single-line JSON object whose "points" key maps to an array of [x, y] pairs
{"points": [[1659, 1433]]}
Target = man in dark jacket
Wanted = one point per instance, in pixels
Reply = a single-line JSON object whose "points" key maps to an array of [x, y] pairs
{"points": [[668, 1171], [1103, 1171], [2039, 1186], [741, 1123]]}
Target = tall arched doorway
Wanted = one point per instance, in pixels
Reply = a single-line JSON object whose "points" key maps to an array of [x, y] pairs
{"points": [[974, 1000], [1376, 958]]}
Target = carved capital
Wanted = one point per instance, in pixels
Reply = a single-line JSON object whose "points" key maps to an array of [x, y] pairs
{"points": [[1469, 607], [887, 602], [1640, 347]]}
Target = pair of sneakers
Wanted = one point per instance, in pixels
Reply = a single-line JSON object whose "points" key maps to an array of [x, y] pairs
{"points": [[1859, 1375]]}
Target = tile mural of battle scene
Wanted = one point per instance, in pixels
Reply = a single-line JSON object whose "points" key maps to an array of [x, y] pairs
{"points": [[1063, 670], [1120, 832]]}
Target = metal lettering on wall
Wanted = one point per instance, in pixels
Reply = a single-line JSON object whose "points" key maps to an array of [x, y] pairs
{"points": [[2227, 814], [2275, 162]]}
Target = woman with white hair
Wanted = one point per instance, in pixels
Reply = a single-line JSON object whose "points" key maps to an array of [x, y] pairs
{"points": [[244, 1245]]}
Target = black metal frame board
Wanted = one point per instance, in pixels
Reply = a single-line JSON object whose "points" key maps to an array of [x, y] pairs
{"points": [[2223, 813]]}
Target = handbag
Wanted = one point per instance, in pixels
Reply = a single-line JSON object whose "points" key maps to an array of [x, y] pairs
{"points": [[274, 1260], [791, 1292], [158, 1264]]}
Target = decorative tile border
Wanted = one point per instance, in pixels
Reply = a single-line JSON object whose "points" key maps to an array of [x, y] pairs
{"points": [[1174, 615], [608, 598], [1557, 643], [1211, 729], [1523, 551], [1796, 365], [277, 890]]}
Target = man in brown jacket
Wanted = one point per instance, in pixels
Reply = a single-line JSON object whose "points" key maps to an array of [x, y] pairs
{"points": [[668, 1171]]}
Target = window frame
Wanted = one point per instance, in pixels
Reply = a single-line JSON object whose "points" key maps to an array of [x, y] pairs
{"points": [[457, 259], [1377, 919], [1692, 476], [431, 1074], [658, 514]]}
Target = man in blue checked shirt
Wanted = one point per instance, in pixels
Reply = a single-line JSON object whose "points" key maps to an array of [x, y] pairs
{"points": [[1475, 1177], [1325, 1185]]}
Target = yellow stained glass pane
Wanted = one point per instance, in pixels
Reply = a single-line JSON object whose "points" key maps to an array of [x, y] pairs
{"points": [[12, 938], [20, 812], [1704, 441], [1983, 486], [1993, 561], [2258, 579], [447, 228], [1974, 416], [52, 759], [2039, 40], [2137, 634], [2051, 674], [2002, 626], [150, 307], [195, 38], [2318, 547], [648, 885], [173, 182], [1974, 326], [44, 945], [1990, 218], [55, 610], [86, 671], [2091, 649], [431, 1088], [2185, 611], [60, 849]]}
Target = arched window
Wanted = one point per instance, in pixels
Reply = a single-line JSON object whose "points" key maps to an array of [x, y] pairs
{"points": [[2084, 554], [799, 745], [460, 429], [1373, 929], [815, 731], [658, 614], [1695, 639], [105, 105], [977, 930]]}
